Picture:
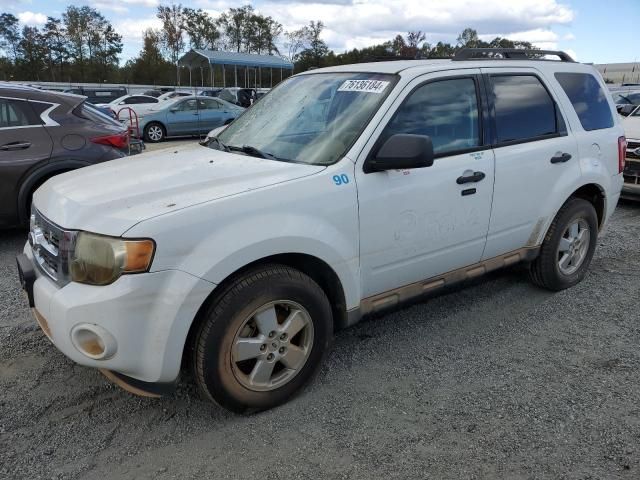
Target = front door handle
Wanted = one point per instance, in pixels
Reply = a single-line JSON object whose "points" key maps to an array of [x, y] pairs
{"points": [[561, 157], [474, 177], [15, 146]]}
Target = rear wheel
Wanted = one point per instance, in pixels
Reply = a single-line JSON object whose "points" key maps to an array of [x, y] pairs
{"points": [[154, 132], [568, 247], [263, 339]]}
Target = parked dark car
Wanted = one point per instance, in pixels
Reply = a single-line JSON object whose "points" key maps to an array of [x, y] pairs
{"points": [[99, 94], [153, 93], [239, 96], [43, 134], [626, 101], [211, 92]]}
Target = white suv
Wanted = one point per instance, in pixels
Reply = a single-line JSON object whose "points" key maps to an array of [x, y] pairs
{"points": [[344, 191]]}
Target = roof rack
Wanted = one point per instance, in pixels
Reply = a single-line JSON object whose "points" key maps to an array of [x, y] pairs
{"points": [[508, 54]]}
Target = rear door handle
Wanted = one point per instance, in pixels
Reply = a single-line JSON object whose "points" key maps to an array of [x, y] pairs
{"points": [[15, 146], [561, 157], [474, 177]]}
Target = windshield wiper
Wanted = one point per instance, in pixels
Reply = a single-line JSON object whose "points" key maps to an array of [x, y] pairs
{"points": [[215, 142], [253, 151]]}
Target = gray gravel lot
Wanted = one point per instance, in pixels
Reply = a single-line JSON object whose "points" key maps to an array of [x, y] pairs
{"points": [[496, 380]]}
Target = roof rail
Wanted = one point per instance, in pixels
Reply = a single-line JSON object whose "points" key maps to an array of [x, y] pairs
{"points": [[508, 54]]}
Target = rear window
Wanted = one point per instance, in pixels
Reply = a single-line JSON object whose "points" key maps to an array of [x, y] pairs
{"points": [[89, 112], [588, 99], [524, 109]]}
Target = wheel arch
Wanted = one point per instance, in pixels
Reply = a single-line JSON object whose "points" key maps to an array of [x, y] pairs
{"points": [[594, 194], [316, 268]]}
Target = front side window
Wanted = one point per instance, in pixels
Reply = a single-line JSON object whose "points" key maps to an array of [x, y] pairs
{"points": [[17, 113], [312, 118], [523, 108], [445, 110], [588, 99]]}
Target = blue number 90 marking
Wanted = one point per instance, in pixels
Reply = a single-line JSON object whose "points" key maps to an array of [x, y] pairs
{"points": [[341, 179]]}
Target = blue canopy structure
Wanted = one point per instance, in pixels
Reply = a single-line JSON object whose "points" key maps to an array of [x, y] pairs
{"points": [[201, 59]]}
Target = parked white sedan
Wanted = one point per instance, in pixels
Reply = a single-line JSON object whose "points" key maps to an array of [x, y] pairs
{"points": [[139, 103]]}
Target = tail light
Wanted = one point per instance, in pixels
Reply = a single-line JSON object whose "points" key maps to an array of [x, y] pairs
{"points": [[622, 153], [120, 140]]}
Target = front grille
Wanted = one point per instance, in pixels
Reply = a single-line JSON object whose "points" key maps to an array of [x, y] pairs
{"points": [[631, 179], [632, 167], [632, 150], [50, 244]]}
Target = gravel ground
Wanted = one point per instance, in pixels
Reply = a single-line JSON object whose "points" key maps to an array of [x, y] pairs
{"points": [[496, 380]]}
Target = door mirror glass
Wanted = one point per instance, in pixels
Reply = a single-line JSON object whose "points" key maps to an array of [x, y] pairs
{"points": [[402, 151]]}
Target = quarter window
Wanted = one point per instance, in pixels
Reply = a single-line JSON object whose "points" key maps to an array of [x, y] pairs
{"points": [[445, 110], [523, 108], [588, 99], [16, 113]]}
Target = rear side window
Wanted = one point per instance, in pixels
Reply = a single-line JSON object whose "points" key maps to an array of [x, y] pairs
{"points": [[588, 99], [17, 113], [523, 108]]}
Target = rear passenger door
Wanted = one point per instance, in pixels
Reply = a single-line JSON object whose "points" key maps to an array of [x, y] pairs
{"points": [[24, 143], [535, 157], [212, 114]]}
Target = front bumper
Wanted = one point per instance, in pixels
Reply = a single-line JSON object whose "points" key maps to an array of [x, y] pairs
{"points": [[631, 174], [145, 316]]}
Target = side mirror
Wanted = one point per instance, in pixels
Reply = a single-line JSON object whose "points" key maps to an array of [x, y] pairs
{"points": [[400, 152], [174, 109]]}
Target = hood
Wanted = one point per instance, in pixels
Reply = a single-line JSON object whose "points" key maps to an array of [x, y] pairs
{"points": [[111, 197], [631, 127]]}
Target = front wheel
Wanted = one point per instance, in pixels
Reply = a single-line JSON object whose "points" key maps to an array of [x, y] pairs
{"points": [[263, 339], [154, 132], [568, 247]]}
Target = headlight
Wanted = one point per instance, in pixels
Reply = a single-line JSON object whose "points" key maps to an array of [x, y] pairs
{"points": [[100, 260]]}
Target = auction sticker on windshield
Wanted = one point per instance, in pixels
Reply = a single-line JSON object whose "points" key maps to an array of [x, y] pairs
{"points": [[366, 86]]}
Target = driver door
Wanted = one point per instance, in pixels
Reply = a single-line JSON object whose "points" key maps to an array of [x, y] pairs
{"points": [[419, 223]]}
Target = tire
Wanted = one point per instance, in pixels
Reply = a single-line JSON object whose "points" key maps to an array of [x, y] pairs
{"points": [[235, 361], [560, 265], [154, 132]]}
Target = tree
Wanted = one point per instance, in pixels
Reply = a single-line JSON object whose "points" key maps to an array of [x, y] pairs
{"points": [[172, 33], [442, 50], [316, 48], [9, 35], [469, 38], [54, 36], [263, 33], [201, 28], [295, 43], [150, 66], [32, 53], [235, 25]]}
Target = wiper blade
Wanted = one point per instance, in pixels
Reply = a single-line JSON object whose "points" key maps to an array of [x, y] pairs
{"points": [[215, 142], [253, 151]]}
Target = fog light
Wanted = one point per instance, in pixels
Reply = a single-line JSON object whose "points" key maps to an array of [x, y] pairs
{"points": [[93, 341]]}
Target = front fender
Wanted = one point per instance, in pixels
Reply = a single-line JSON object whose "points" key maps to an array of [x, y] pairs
{"points": [[310, 215]]}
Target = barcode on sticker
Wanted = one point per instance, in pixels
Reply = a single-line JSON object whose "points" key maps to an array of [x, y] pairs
{"points": [[366, 86]]}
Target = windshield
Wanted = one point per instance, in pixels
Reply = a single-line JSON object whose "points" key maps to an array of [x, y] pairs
{"points": [[311, 118]]}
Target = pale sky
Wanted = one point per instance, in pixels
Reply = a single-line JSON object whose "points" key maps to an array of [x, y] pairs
{"points": [[590, 30]]}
